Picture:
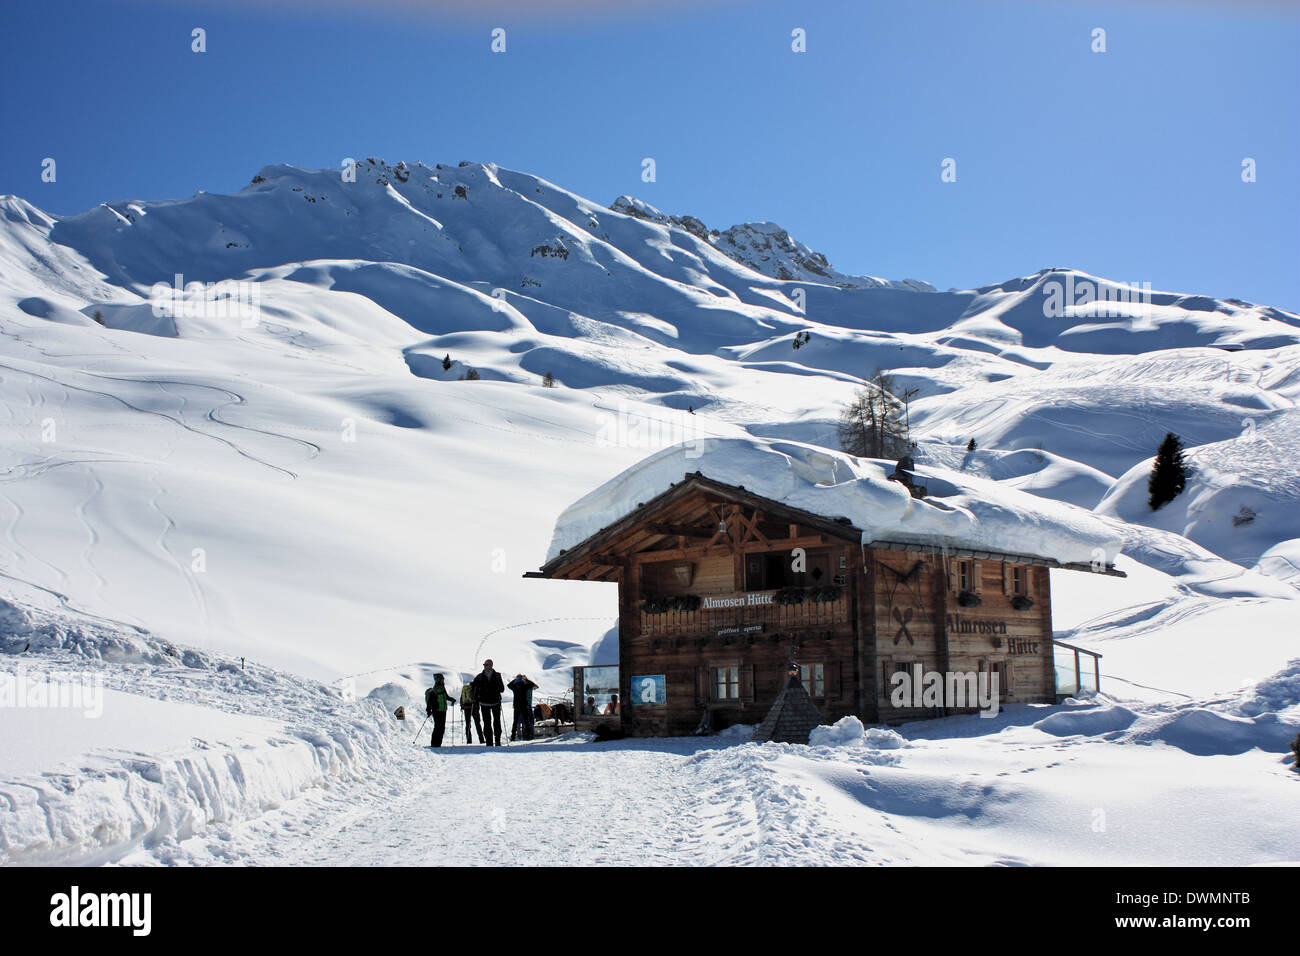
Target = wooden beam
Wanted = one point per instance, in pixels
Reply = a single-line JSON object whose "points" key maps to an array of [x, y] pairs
{"points": [[750, 527], [683, 504], [723, 530], [680, 531], [685, 554]]}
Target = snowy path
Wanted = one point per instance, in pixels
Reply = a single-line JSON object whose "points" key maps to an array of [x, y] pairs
{"points": [[195, 759], [533, 805], [1011, 797], [653, 802]]}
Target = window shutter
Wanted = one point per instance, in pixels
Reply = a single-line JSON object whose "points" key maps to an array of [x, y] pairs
{"points": [[949, 565], [747, 682], [832, 681], [702, 689], [1004, 577], [976, 583]]}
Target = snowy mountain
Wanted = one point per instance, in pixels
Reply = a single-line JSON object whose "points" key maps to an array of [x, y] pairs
{"points": [[245, 426], [766, 248]]}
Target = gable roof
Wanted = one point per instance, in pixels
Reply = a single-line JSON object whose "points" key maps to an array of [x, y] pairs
{"points": [[961, 512], [597, 557], [638, 528]]}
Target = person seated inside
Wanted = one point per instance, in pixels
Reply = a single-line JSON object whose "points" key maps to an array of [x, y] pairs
{"points": [[611, 709]]}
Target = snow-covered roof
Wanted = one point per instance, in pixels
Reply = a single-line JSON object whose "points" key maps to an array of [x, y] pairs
{"points": [[960, 511]]}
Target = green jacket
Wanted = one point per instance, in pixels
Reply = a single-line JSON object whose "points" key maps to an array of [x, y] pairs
{"points": [[436, 698]]}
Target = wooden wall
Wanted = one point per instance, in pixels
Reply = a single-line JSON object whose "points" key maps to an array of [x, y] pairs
{"points": [[898, 609], [946, 636], [686, 648], [908, 601]]}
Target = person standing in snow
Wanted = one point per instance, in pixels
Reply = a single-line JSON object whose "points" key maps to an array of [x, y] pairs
{"points": [[469, 707], [487, 690], [436, 701], [523, 689]]}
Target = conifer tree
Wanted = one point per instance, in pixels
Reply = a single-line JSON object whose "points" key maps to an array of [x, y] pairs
{"points": [[1168, 474]]}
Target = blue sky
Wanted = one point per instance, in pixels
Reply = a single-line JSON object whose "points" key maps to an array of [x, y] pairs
{"points": [[1125, 163]]}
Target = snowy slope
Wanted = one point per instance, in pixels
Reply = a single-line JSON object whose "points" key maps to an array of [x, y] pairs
{"points": [[177, 743], [271, 442], [315, 492]]}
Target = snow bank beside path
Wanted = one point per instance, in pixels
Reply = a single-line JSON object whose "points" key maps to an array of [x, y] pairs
{"points": [[961, 510], [165, 743]]}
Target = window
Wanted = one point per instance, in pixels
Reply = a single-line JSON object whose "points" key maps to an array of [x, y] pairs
{"points": [[965, 575], [999, 670], [813, 678], [1018, 580], [775, 570], [726, 683], [895, 667], [598, 691], [652, 579]]}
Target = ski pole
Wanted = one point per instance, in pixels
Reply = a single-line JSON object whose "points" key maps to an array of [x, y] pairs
{"points": [[421, 730]]}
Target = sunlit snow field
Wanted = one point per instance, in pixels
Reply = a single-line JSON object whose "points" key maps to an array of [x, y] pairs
{"points": [[316, 494]]}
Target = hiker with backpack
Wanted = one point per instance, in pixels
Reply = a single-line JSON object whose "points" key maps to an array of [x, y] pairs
{"points": [[522, 725], [436, 701], [469, 708], [487, 690]]}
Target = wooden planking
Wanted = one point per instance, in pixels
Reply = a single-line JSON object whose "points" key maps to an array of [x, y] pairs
{"points": [[857, 639], [687, 670], [1023, 639], [907, 624], [962, 639]]}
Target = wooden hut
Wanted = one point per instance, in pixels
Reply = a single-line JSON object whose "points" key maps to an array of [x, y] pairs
{"points": [[718, 586]]}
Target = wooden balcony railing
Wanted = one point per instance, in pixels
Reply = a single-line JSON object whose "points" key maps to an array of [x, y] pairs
{"points": [[746, 618]]}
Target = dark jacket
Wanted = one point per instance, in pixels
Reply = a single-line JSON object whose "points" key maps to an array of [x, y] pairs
{"points": [[436, 698], [488, 690], [522, 689]]}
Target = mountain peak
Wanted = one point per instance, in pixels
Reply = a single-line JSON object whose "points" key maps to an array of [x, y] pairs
{"points": [[766, 248]]}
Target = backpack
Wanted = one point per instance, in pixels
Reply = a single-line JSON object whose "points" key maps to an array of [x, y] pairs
{"points": [[435, 698]]}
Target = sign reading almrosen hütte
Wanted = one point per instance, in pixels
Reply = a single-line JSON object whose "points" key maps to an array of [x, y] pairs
{"points": [[737, 600]]}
